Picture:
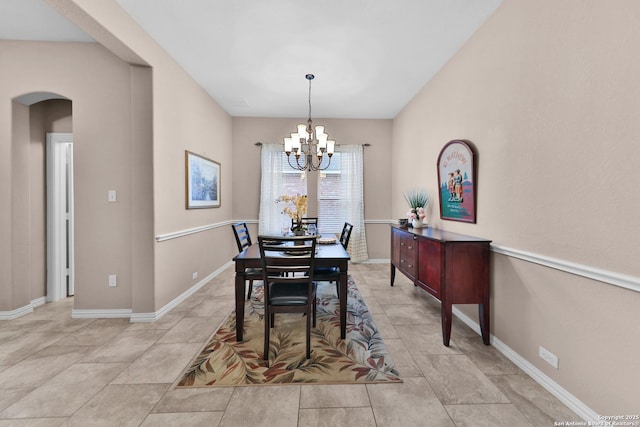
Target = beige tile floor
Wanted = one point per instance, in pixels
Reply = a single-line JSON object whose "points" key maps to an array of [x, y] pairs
{"points": [[58, 371]]}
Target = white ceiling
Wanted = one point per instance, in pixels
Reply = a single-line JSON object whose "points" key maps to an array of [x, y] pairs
{"points": [[370, 57]]}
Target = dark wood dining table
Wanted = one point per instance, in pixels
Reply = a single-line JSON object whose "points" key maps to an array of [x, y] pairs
{"points": [[328, 255]]}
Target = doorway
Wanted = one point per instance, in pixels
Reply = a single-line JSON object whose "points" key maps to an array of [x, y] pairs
{"points": [[59, 178]]}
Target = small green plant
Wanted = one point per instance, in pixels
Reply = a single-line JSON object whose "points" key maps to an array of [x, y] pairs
{"points": [[418, 201]]}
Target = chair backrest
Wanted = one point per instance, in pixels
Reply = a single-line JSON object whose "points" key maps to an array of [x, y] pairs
{"points": [[243, 238], [304, 221], [346, 234], [287, 259]]}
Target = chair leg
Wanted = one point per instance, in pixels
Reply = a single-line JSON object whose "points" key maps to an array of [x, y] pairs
{"points": [[250, 289], [314, 311], [309, 334], [267, 325], [338, 288]]}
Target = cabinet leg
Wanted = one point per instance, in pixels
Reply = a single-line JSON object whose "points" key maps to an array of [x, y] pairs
{"points": [[393, 274], [446, 312], [483, 314]]}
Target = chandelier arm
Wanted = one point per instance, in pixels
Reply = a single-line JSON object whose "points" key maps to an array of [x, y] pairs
{"points": [[306, 164], [292, 165], [310, 164], [313, 165], [319, 168]]}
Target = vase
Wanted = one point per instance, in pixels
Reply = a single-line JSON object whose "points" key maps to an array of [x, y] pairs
{"points": [[417, 223], [299, 233]]}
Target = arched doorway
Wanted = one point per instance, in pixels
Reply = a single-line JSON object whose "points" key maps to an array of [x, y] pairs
{"points": [[49, 160]]}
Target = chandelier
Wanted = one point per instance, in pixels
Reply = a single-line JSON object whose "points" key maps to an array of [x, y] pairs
{"points": [[309, 143]]}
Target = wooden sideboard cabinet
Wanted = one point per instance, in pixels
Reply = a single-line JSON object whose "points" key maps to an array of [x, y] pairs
{"points": [[452, 267]]}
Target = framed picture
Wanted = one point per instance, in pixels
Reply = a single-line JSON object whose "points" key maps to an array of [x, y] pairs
{"points": [[457, 182], [203, 182]]}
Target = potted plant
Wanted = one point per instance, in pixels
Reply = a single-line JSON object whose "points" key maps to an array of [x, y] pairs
{"points": [[296, 211], [418, 201]]}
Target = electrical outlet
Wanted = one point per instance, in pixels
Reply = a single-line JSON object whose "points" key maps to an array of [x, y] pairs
{"points": [[548, 357], [194, 275], [113, 280], [112, 196]]}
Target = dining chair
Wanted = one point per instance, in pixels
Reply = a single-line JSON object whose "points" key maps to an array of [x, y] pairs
{"points": [[284, 292], [332, 274], [346, 235], [243, 240]]}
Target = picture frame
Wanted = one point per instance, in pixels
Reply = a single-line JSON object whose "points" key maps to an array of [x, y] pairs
{"points": [[457, 181], [202, 182]]}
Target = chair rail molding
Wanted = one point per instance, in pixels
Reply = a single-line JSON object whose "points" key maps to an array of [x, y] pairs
{"points": [[200, 229], [604, 276]]}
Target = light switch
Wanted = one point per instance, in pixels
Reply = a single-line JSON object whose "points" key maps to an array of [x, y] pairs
{"points": [[112, 196]]}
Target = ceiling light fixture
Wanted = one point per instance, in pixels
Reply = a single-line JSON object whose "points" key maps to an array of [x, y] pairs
{"points": [[309, 143]]}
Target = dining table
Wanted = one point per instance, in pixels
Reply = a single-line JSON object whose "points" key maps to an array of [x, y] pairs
{"points": [[327, 255]]}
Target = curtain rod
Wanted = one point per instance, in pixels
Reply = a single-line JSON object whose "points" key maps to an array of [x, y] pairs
{"points": [[366, 144]]}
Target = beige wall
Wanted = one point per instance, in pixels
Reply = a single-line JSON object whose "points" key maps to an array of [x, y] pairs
{"points": [[184, 117], [377, 178], [547, 92], [132, 125], [99, 86]]}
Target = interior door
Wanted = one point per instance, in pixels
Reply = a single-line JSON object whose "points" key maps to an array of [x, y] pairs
{"points": [[60, 283]]}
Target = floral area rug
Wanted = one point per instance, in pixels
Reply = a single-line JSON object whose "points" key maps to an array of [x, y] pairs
{"points": [[360, 358]]}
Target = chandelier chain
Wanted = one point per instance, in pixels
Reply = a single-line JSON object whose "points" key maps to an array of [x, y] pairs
{"points": [[309, 99]]}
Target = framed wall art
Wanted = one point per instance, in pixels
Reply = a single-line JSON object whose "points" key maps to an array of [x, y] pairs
{"points": [[203, 182], [457, 181]]}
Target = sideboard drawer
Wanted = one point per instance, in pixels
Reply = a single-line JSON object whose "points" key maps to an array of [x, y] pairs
{"points": [[408, 255]]}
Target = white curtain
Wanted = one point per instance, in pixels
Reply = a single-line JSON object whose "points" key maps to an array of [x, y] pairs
{"points": [[278, 178], [352, 191], [270, 186]]}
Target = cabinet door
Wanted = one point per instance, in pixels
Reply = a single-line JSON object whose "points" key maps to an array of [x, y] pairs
{"points": [[395, 247], [408, 255], [430, 266]]}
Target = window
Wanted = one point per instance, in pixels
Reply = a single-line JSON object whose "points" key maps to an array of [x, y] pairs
{"points": [[330, 211], [339, 190]]}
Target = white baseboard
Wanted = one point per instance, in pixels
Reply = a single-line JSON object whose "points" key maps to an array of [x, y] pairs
{"points": [[375, 261], [572, 402], [150, 317], [118, 312], [18, 312], [38, 302], [106, 313]]}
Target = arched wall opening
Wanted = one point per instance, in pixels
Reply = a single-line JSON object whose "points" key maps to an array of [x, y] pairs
{"points": [[34, 115], [112, 109]]}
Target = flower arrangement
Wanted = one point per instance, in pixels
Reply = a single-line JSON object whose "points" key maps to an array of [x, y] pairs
{"points": [[418, 201], [297, 211]]}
